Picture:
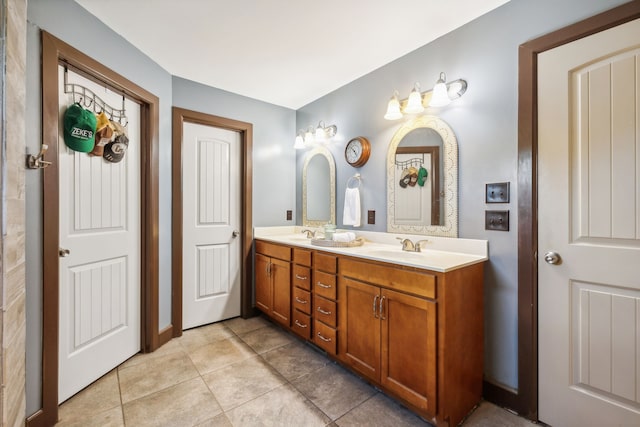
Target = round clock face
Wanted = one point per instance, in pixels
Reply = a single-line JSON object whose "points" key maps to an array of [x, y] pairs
{"points": [[357, 151]]}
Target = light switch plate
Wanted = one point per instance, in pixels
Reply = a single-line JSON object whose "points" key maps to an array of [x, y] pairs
{"points": [[497, 192], [496, 220], [371, 217]]}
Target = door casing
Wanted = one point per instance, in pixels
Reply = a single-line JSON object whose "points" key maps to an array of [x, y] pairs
{"points": [[180, 116], [54, 52]]}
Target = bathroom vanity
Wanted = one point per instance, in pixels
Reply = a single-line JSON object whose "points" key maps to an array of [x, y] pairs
{"points": [[409, 322]]}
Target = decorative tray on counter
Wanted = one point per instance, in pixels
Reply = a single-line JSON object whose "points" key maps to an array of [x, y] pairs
{"points": [[333, 244]]}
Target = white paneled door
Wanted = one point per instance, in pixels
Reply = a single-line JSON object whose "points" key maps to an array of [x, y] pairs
{"points": [[99, 279], [589, 230], [211, 246]]}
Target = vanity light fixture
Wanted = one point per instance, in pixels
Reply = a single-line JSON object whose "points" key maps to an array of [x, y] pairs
{"points": [[441, 94], [319, 134]]}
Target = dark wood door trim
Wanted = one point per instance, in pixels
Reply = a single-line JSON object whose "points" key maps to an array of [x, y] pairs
{"points": [[526, 401], [179, 117], [55, 52]]}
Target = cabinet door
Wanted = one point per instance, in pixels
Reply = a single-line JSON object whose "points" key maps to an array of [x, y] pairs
{"points": [[359, 327], [409, 348], [281, 288], [263, 283]]}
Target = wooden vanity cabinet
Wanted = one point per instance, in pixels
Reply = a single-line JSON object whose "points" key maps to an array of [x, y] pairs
{"points": [[415, 333], [273, 281]]}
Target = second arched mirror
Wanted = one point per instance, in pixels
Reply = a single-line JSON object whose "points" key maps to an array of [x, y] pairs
{"points": [[318, 188]]}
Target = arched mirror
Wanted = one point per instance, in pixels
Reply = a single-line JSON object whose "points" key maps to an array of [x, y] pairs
{"points": [[422, 179], [318, 188]]}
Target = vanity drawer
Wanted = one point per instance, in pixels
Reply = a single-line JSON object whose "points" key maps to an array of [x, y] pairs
{"points": [[324, 262], [325, 311], [273, 250], [324, 285], [301, 276], [410, 281], [325, 337], [302, 256], [302, 300], [301, 324]]}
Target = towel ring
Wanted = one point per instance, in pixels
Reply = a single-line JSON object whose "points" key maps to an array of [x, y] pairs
{"points": [[355, 178]]}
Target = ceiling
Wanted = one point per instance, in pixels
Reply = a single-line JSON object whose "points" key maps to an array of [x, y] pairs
{"points": [[285, 52]]}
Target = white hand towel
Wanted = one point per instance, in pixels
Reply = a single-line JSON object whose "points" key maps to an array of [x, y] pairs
{"points": [[351, 215], [347, 236]]}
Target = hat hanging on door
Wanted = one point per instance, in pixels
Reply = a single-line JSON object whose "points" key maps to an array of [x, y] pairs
{"points": [[422, 176], [79, 128], [114, 151]]}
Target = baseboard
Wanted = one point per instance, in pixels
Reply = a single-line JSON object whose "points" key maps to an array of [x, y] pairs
{"points": [[500, 396]]}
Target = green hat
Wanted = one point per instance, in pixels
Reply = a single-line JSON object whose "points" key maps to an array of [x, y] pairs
{"points": [[422, 176], [79, 128]]}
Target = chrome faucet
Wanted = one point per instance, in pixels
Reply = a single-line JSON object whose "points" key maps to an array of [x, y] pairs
{"points": [[310, 233], [409, 246]]}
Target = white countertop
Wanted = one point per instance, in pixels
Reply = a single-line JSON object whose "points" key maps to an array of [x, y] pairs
{"points": [[440, 254]]}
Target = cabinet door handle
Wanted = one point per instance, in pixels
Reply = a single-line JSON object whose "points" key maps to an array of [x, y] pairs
{"points": [[324, 312], [269, 268], [322, 285], [300, 324], [301, 301], [323, 338], [375, 312], [301, 277], [382, 308]]}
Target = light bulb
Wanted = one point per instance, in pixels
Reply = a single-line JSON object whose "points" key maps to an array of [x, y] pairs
{"points": [[299, 142]]}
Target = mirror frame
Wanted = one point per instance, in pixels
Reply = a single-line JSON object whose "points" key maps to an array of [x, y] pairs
{"points": [[450, 165], [322, 151]]}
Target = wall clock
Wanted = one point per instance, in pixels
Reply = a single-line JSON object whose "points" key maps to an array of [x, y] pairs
{"points": [[357, 151]]}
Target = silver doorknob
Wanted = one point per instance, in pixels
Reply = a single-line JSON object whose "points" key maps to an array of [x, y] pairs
{"points": [[552, 257], [235, 233], [63, 252]]}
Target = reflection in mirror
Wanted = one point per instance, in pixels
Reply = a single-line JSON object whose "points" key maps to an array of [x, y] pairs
{"points": [[318, 188], [422, 179]]}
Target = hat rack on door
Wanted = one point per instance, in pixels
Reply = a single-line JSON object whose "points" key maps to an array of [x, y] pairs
{"points": [[88, 99], [414, 161]]}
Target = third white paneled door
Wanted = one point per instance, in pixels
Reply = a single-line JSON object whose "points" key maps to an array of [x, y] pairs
{"points": [[589, 230], [211, 219]]}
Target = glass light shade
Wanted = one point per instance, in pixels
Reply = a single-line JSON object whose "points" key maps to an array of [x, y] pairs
{"points": [[440, 97], [393, 109], [320, 135], [414, 104], [299, 145], [308, 136]]}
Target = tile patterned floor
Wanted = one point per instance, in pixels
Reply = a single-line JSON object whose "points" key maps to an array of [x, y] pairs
{"points": [[243, 373]]}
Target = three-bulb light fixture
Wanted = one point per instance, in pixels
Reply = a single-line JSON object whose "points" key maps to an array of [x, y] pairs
{"points": [[441, 94], [319, 134]]}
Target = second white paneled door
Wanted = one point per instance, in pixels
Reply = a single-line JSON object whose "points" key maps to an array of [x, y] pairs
{"points": [[589, 230], [211, 219]]}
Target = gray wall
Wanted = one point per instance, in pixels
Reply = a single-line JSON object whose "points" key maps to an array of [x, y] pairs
{"points": [[485, 53], [274, 162]]}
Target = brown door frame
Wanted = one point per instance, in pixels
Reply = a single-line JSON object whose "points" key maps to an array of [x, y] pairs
{"points": [[54, 53], [179, 117], [526, 400]]}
